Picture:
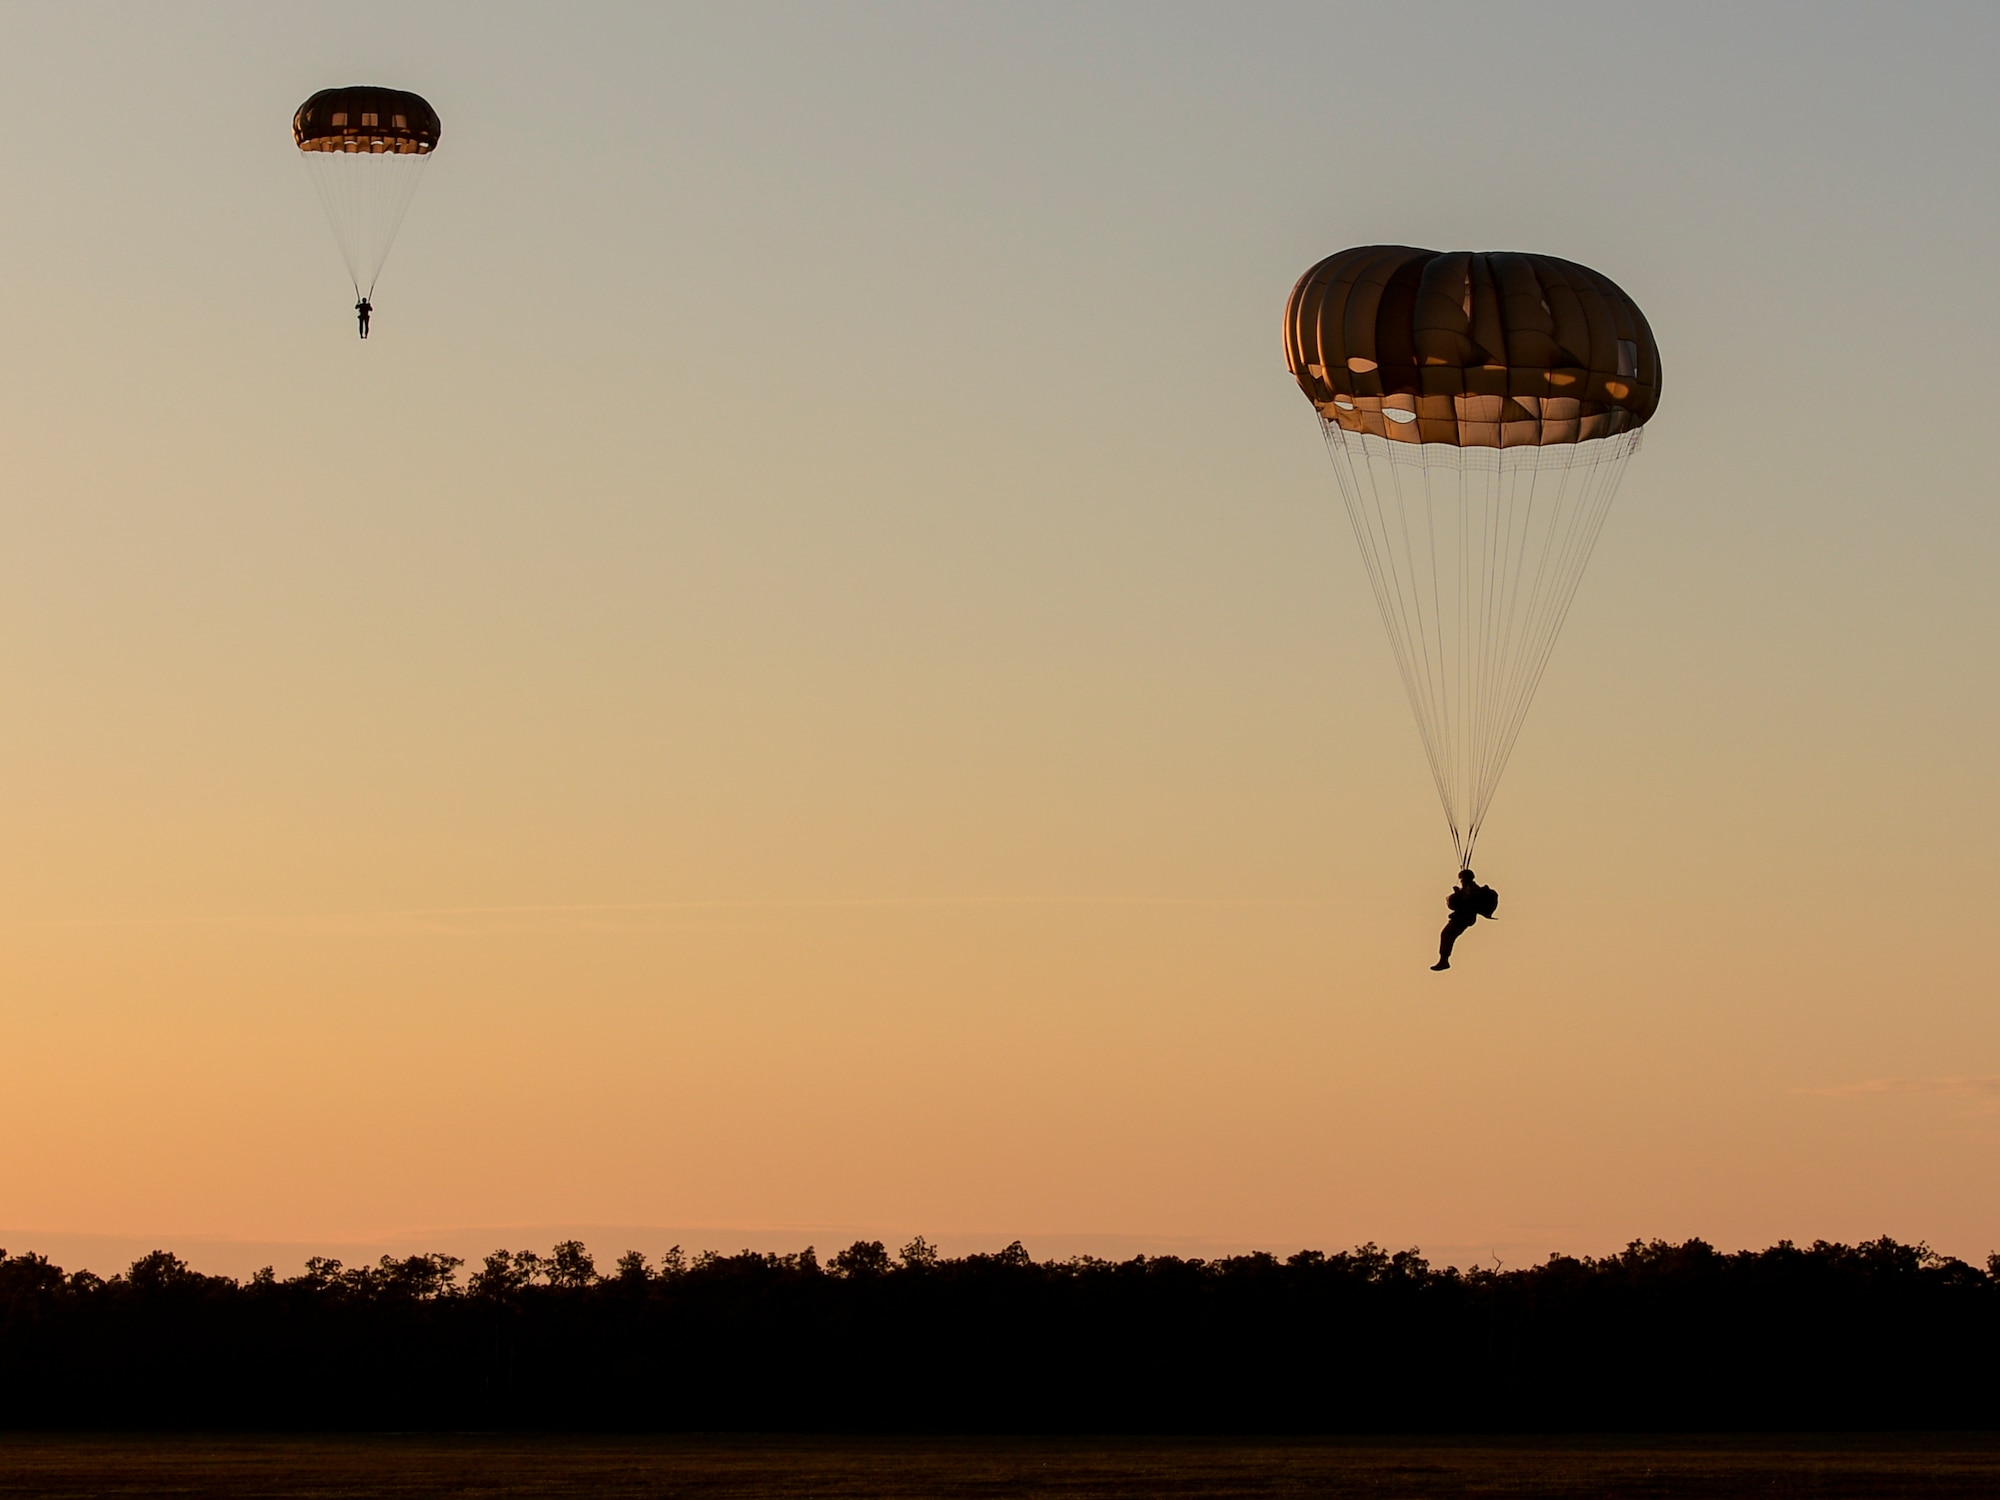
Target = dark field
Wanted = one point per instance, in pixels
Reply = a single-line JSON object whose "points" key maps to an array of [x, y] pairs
{"points": [[1848, 1468]]}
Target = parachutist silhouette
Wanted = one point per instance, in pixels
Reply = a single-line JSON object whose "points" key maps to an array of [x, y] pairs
{"points": [[361, 311], [1467, 903]]}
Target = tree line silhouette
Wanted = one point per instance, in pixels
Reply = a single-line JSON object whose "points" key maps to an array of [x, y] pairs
{"points": [[1659, 1336]]}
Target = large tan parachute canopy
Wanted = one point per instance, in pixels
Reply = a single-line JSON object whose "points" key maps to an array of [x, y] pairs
{"points": [[366, 120], [1474, 349]]}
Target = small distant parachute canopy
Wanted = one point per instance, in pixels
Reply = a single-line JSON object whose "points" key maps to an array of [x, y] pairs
{"points": [[1479, 409], [371, 121], [366, 149], [1477, 350]]}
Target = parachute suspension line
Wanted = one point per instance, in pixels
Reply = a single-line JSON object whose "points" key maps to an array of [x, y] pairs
{"points": [[1575, 521], [1474, 591], [1526, 662], [1598, 488], [365, 196], [399, 205], [1486, 500], [1467, 627], [1523, 631], [1496, 502], [1393, 568], [1496, 516], [1430, 631], [336, 192], [1517, 615], [1362, 499]]}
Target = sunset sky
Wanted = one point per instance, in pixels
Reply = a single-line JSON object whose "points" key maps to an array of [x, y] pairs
{"points": [[810, 679]]}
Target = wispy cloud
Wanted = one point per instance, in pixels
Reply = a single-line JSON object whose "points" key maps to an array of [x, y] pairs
{"points": [[1983, 1091], [1985, 1087], [620, 916]]}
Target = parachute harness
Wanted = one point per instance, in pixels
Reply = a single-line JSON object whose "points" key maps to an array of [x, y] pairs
{"points": [[1474, 555]]}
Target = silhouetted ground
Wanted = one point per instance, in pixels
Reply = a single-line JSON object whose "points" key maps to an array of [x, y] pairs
{"points": [[278, 1468]]}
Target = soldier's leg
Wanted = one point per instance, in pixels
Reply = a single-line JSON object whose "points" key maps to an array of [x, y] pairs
{"points": [[1449, 937]]}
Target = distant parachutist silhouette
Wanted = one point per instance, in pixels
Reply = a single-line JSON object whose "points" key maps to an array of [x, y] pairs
{"points": [[365, 147], [1467, 903]]}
